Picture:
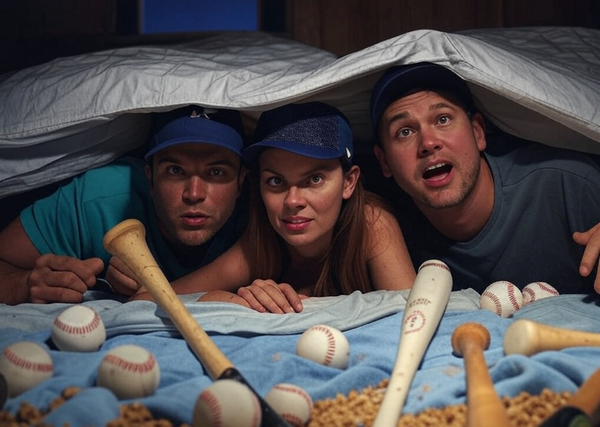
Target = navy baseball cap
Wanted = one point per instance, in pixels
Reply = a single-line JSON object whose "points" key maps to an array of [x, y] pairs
{"points": [[403, 79], [312, 129], [197, 124]]}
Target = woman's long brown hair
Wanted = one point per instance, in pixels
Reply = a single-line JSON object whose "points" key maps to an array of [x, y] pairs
{"points": [[344, 265]]}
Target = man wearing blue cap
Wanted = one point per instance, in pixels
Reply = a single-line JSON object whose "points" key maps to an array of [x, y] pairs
{"points": [[524, 214], [185, 194]]}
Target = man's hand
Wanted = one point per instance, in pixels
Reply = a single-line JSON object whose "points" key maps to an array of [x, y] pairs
{"points": [[121, 278], [591, 240], [58, 278], [269, 296]]}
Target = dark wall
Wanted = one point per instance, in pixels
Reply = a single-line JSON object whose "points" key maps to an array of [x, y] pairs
{"points": [[344, 26], [35, 31]]}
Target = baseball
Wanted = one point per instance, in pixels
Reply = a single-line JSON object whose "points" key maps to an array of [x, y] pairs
{"points": [[227, 403], [78, 328], [536, 291], [129, 371], [291, 402], [501, 297], [326, 345], [24, 365]]}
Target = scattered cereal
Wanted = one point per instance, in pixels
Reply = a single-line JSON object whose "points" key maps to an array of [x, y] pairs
{"points": [[131, 415], [360, 410], [357, 409]]}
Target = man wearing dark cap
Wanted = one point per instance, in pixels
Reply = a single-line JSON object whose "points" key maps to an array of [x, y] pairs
{"points": [[185, 194], [525, 214]]}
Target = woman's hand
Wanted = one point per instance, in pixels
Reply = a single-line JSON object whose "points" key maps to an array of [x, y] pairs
{"points": [[269, 296], [264, 296]]}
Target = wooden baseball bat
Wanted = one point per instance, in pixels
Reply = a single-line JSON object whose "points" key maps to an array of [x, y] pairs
{"points": [[127, 240], [484, 406], [582, 409], [425, 305], [528, 337]]}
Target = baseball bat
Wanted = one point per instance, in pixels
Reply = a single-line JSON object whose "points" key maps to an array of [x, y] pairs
{"points": [[484, 406], [127, 240], [582, 409], [425, 305], [528, 337]]}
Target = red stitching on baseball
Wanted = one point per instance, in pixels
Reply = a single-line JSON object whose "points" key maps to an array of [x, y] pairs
{"points": [[143, 367], [78, 329], [17, 360], [495, 300], [330, 353], [529, 293], [294, 390], [548, 288], [213, 405], [512, 297]]}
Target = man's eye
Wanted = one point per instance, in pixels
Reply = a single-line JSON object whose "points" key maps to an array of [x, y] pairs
{"points": [[444, 120], [217, 172], [315, 179], [174, 170], [404, 132]]}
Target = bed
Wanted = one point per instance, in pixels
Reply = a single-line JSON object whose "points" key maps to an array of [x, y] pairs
{"points": [[72, 114]]}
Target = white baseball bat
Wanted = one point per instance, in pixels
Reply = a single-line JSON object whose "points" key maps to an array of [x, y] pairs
{"points": [[424, 309]]}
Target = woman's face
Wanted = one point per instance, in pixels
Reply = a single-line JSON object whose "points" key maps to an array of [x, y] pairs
{"points": [[303, 197]]}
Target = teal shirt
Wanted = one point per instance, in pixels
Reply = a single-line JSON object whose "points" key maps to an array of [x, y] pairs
{"points": [[73, 220]]}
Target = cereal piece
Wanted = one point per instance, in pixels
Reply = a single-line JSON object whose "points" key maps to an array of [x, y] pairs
{"points": [[69, 392], [359, 409], [29, 413]]}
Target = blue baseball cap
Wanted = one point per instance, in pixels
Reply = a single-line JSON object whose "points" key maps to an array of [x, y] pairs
{"points": [[403, 79], [312, 129], [197, 124]]}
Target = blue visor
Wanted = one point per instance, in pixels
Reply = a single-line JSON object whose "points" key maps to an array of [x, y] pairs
{"points": [[313, 129]]}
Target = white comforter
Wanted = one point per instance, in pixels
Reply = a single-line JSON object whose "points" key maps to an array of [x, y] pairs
{"points": [[71, 114]]}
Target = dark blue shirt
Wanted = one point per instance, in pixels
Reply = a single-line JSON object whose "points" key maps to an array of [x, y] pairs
{"points": [[542, 195]]}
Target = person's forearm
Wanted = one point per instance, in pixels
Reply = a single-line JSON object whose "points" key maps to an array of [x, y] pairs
{"points": [[141, 295], [13, 284]]}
